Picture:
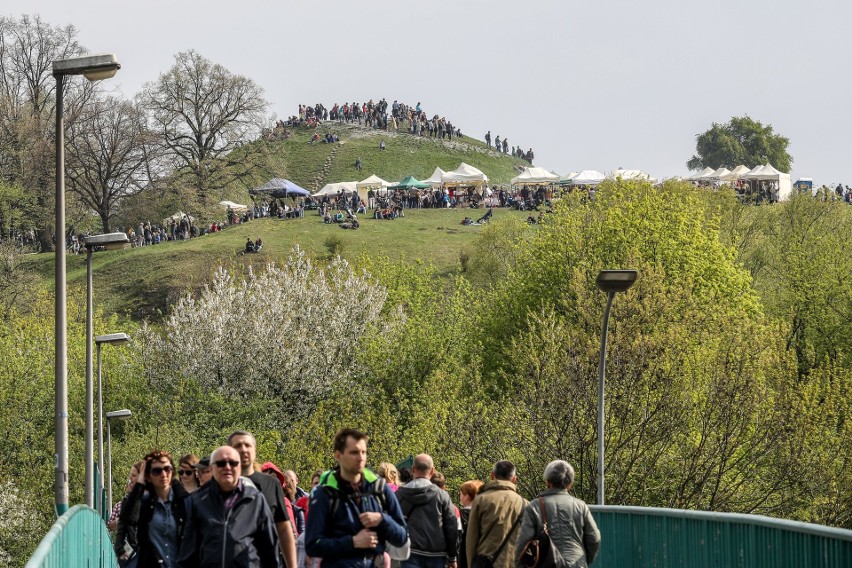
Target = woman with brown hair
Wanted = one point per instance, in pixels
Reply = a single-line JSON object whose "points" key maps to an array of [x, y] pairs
{"points": [[467, 492], [153, 511], [188, 474]]}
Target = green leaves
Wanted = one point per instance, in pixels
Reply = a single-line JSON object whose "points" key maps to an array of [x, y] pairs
{"points": [[741, 140]]}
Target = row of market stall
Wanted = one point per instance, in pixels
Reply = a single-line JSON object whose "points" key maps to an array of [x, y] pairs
{"points": [[760, 176]]}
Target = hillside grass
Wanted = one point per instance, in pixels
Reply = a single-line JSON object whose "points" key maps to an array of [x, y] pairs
{"points": [[314, 165], [142, 282]]}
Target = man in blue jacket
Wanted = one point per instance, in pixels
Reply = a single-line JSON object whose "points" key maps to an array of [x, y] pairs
{"points": [[353, 513]]}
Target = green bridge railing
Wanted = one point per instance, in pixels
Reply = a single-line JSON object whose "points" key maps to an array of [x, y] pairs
{"points": [[633, 537], [78, 539], [644, 537]]}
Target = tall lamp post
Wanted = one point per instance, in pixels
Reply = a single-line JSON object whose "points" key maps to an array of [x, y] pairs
{"points": [[118, 415], [611, 282], [94, 68], [108, 241], [113, 339]]}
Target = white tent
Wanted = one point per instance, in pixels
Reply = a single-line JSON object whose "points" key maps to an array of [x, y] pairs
{"points": [[464, 175], [348, 187], [719, 174], [735, 174], [701, 174], [768, 173], [535, 176], [233, 206], [588, 177], [372, 182], [631, 174], [435, 179]]}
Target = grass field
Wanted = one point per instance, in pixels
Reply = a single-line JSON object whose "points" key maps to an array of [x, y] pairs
{"points": [[140, 282]]}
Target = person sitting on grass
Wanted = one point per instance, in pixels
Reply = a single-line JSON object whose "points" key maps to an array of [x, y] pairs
{"points": [[249, 245], [258, 244]]}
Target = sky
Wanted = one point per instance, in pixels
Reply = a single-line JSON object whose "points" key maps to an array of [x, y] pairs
{"points": [[596, 84]]}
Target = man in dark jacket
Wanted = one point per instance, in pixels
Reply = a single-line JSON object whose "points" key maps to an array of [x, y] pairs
{"points": [[228, 524], [353, 512], [431, 519]]}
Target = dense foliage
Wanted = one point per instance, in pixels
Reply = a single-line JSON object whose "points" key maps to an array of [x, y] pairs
{"points": [[728, 377], [740, 141]]}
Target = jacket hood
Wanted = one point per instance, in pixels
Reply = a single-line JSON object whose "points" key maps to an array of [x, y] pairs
{"points": [[418, 492], [269, 466]]}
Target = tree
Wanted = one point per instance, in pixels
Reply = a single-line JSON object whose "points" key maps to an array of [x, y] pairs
{"points": [[203, 112], [28, 47], [110, 155], [741, 141]]}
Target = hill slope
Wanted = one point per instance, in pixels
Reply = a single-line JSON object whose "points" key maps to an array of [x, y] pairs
{"points": [[314, 165]]}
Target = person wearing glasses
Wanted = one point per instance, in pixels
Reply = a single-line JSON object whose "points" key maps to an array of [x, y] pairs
{"points": [[204, 471], [229, 524], [155, 511], [187, 472]]}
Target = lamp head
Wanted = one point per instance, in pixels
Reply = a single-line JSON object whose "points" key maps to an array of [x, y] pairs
{"points": [[114, 338], [94, 67], [109, 241], [616, 280], [123, 414]]}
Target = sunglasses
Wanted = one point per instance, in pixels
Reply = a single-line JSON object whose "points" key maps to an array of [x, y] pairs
{"points": [[185, 471], [159, 470], [223, 463]]}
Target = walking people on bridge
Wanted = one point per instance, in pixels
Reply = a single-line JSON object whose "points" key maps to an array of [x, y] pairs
{"points": [[353, 513], [154, 512], [228, 523], [244, 443], [494, 518], [569, 522]]}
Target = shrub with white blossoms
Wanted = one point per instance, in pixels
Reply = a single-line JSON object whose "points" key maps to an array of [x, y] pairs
{"points": [[19, 528], [289, 333]]}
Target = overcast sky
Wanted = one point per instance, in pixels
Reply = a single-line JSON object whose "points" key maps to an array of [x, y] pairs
{"points": [[588, 85]]}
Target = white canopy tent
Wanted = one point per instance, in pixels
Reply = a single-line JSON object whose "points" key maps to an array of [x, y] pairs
{"points": [[234, 206], [735, 174], [348, 187], [631, 175], [464, 175], [703, 173], [373, 182], [767, 173], [535, 176], [719, 174], [435, 179], [588, 177]]}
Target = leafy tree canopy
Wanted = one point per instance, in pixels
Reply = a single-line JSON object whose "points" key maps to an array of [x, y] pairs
{"points": [[741, 140]]}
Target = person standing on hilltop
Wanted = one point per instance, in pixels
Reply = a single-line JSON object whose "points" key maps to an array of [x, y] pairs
{"points": [[488, 139], [505, 145], [497, 143]]}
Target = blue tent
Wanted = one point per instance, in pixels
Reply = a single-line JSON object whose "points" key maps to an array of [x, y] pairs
{"points": [[277, 187]]}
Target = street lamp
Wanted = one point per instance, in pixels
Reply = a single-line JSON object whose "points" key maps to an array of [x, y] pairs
{"points": [[118, 415], [94, 67], [114, 339], [108, 241], [611, 282]]}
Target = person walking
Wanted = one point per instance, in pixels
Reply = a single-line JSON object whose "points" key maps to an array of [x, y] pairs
{"points": [[570, 524], [353, 513], [432, 522], [155, 512], [494, 517], [229, 524]]}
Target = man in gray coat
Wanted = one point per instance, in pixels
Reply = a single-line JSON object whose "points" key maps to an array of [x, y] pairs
{"points": [[432, 524], [569, 522]]}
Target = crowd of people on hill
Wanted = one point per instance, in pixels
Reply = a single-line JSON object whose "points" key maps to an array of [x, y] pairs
{"points": [[226, 509], [396, 117]]}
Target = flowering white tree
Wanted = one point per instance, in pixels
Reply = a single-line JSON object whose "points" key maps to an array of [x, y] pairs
{"points": [[19, 530], [288, 334]]}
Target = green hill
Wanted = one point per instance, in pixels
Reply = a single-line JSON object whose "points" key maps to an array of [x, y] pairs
{"points": [[314, 165], [141, 282]]}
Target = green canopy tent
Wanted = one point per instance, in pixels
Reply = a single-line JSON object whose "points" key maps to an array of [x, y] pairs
{"points": [[409, 183]]}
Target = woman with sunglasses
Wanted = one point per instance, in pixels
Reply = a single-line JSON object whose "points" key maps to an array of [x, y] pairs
{"points": [[188, 473], [155, 510]]}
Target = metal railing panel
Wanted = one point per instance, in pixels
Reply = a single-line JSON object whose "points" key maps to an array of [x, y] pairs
{"points": [[640, 537], [79, 538]]}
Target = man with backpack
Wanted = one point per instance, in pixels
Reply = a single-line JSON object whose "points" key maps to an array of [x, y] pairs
{"points": [[353, 512], [431, 518]]}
